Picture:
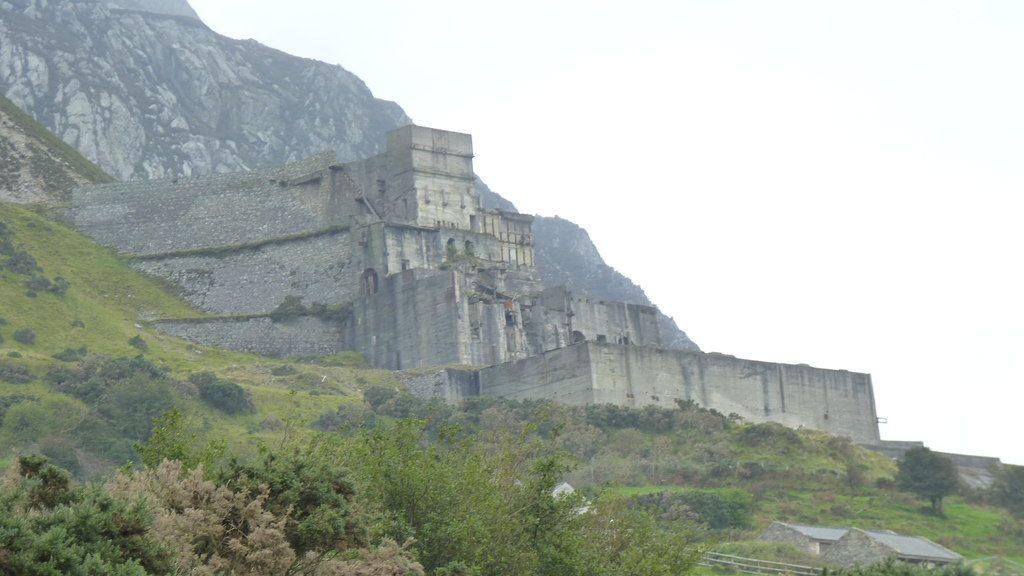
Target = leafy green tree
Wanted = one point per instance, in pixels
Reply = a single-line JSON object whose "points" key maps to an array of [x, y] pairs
{"points": [[173, 438], [1008, 489], [928, 475]]}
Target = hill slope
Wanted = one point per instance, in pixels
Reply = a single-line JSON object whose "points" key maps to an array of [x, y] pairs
{"points": [[103, 307], [36, 166]]}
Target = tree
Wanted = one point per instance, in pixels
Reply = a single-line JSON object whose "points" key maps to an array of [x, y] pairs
{"points": [[928, 475], [1008, 489]]}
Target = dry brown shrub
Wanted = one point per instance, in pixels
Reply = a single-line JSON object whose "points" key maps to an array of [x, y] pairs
{"points": [[209, 529], [389, 559]]}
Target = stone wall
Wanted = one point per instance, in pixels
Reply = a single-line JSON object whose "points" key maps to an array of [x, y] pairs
{"points": [[835, 401], [255, 280], [304, 336], [857, 548], [779, 532], [155, 217]]}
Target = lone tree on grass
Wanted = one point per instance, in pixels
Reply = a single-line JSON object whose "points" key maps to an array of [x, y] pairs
{"points": [[928, 475]]}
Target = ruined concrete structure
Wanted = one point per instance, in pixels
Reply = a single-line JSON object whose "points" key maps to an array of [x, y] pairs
{"points": [[394, 256]]}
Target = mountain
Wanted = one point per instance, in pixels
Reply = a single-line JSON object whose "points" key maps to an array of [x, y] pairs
{"points": [[145, 90], [36, 166], [155, 93]]}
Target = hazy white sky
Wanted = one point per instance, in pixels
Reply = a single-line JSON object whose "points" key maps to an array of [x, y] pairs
{"points": [[834, 183]]}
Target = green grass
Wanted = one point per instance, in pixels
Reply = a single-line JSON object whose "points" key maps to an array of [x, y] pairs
{"points": [[972, 530], [115, 302]]}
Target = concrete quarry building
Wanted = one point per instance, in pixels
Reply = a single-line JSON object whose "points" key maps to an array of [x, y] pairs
{"points": [[395, 257]]}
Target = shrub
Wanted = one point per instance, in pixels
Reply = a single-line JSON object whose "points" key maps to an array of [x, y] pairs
{"points": [[137, 342], [21, 262], [72, 354], [15, 374], [13, 353], [37, 284], [60, 286], [7, 401], [285, 370], [290, 308], [770, 434], [224, 395], [76, 323], [719, 509], [346, 417], [26, 336]]}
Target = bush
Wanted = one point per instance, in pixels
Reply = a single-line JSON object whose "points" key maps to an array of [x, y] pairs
{"points": [[14, 374], [346, 417], [770, 434], [137, 342], [123, 396], [26, 336], [72, 354], [718, 509], [13, 353], [223, 395], [21, 262], [290, 308], [60, 286], [285, 370], [37, 284]]}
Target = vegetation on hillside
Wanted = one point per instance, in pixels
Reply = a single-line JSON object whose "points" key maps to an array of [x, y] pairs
{"points": [[96, 387], [49, 157]]}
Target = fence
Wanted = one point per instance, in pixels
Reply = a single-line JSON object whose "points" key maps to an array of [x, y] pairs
{"points": [[754, 566]]}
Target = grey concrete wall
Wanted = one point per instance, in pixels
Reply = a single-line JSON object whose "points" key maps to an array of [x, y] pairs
{"points": [[448, 384], [562, 375], [835, 401], [563, 317], [412, 321], [306, 336], [256, 280]]}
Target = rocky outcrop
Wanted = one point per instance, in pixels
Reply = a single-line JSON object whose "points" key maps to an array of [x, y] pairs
{"points": [[36, 167], [155, 93]]}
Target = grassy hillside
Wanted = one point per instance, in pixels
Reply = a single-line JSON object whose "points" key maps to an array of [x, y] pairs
{"points": [[106, 305], [797, 476]]}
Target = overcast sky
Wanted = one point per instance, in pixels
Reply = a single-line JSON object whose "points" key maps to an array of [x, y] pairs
{"points": [[830, 183]]}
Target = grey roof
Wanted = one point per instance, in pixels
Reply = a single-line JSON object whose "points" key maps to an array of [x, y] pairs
{"points": [[914, 547], [818, 532]]}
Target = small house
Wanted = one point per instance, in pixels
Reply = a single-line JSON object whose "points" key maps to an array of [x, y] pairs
{"points": [[813, 539]]}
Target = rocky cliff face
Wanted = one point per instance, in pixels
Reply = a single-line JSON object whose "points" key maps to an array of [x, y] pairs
{"points": [[35, 166], [144, 89]]}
